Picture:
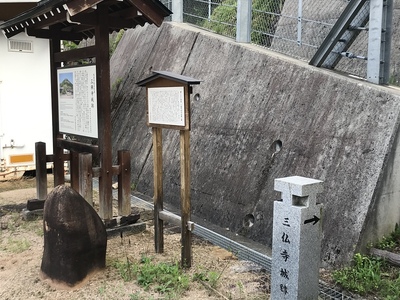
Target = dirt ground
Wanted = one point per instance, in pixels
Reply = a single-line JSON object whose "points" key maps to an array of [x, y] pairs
{"points": [[21, 249]]}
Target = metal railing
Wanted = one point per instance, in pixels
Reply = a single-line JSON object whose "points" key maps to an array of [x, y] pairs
{"points": [[293, 27]]}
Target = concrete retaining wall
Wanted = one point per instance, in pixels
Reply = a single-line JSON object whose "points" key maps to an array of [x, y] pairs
{"points": [[332, 128]]}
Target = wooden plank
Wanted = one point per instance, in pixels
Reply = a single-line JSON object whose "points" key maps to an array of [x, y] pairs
{"points": [[170, 217], [128, 13], [75, 54], [390, 257], [158, 190], [50, 157], [116, 170], [119, 23], [113, 22], [85, 187], [34, 204], [186, 260], [78, 6], [48, 34], [58, 171], [85, 19], [41, 170], [124, 183], [51, 21], [145, 8], [78, 146], [74, 170], [96, 171], [104, 112]]}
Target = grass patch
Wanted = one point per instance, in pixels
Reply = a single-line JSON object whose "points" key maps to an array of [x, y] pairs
{"points": [[391, 242], [371, 275], [210, 277], [166, 278], [16, 245]]}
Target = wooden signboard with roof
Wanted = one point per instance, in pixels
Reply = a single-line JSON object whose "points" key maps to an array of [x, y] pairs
{"points": [[76, 20], [168, 106]]}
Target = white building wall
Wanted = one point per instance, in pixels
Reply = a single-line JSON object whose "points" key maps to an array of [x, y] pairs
{"points": [[25, 98]]}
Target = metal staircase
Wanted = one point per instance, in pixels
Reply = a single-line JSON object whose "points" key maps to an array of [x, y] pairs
{"points": [[377, 14]]}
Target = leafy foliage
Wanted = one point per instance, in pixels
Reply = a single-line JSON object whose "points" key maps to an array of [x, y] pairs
{"points": [[370, 275], [114, 41], [264, 20], [211, 277], [69, 45], [363, 277], [392, 241], [223, 19], [165, 278], [265, 16]]}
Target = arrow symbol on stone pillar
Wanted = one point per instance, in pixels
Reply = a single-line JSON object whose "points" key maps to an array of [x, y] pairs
{"points": [[315, 219]]}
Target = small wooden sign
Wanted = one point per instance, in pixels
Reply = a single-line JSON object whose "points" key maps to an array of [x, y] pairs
{"points": [[166, 106], [167, 101]]}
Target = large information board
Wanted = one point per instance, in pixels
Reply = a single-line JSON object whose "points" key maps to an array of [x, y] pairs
{"points": [[77, 101], [166, 106]]}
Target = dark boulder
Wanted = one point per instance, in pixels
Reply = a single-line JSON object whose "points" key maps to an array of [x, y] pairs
{"points": [[75, 238]]}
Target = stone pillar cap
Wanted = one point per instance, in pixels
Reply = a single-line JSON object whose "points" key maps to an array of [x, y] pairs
{"points": [[298, 186]]}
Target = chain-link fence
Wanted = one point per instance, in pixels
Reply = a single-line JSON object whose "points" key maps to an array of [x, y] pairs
{"points": [[293, 27], [168, 4], [218, 16]]}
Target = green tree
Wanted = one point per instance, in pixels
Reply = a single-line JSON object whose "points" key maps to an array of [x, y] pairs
{"points": [[265, 16], [223, 19]]}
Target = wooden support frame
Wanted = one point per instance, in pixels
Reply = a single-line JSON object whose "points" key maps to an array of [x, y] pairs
{"points": [[41, 170], [58, 161], [76, 20], [74, 170], [124, 182], [168, 87], [85, 185], [104, 112], [186, 234], [158, 190]]}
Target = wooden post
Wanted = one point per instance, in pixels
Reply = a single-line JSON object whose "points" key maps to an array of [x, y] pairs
{"points": [[186, 260], [74, 169], [124, 182], [85, 187], [158, 190], [41, 171], [55, 47], [104, 111]]}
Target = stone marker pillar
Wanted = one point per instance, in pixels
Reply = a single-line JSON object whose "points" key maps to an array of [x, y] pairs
{"points": [[75, 239], [296, 243]]}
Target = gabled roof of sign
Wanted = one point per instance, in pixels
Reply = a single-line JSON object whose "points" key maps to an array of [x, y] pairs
{"points": [[168, 75], [76, 19]]}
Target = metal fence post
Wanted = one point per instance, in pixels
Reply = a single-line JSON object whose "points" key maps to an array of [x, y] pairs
{"points": [[379, 41], [177, 9], [299, 22], [243, 26]]}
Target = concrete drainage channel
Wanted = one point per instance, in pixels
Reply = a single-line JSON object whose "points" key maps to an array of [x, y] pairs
{"points": [[241, 251]]}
